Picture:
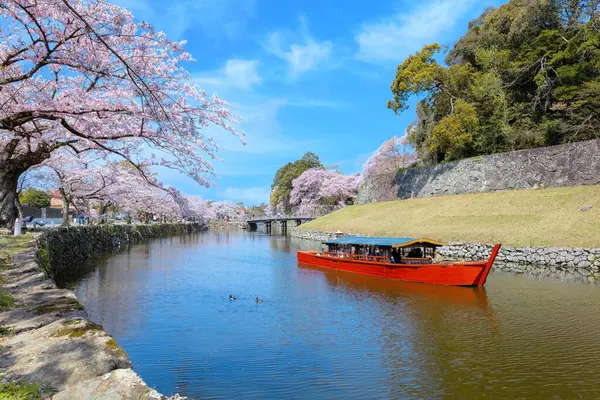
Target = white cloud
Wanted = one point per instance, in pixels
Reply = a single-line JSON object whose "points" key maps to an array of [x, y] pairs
{"points": [[249, 195], [259, 119], [227, 18], [300, 50], [237, 73], [407, 31]]}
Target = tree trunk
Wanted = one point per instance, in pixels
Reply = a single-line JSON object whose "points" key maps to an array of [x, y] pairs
{"points": [[11, 167], [101, 211], [8, 196], [65, 208]]}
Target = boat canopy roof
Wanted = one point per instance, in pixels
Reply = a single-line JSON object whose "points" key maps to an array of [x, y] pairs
{"points": [[384, 241]]}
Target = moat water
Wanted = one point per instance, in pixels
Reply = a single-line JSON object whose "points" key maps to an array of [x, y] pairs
{"points": [[326, 334]]}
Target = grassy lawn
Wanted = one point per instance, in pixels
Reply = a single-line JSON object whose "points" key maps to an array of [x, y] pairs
{"points": [[548, 217]]}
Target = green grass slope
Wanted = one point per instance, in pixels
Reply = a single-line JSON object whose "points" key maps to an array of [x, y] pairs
{"points": [[545, 217]]}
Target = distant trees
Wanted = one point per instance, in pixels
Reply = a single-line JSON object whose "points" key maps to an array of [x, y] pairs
{"points": [[526, 74], [257, 211], [319, 191], [227, 209], [281, 188], [35, 198]]}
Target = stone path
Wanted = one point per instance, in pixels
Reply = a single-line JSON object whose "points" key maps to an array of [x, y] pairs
{"points": [[51, 341]]}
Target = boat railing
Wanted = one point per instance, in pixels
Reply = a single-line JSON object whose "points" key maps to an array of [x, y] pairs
{"points": [[414, 260], [356, 257]]}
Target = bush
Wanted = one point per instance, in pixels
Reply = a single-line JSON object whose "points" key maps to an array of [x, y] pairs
{"points": [[35, 198]]}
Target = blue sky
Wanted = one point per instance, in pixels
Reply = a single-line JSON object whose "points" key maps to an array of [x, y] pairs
{"points": [[302, 75]]}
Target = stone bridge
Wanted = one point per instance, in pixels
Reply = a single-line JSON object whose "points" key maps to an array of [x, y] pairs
{"points": [[282, 220]]}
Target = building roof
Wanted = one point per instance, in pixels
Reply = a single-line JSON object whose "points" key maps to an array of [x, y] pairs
{"points": [[383, 241]]}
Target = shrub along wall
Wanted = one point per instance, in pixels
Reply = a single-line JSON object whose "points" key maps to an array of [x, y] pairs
{"points": [[62, 247]]}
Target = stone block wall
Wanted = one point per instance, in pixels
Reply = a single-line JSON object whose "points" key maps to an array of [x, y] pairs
{"points": [[65, 246], [222, 225], [573, 164], [580, 263], [320, 236]]}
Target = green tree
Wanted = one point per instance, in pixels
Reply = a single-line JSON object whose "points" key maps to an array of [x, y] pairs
{"points": [[35, 198], [453, 135], [282, 183], [526, 74]]}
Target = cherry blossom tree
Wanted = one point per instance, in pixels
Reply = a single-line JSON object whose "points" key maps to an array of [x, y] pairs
{"points": [[75, 178], [389, 157], [199, 209], [319, 191], [87, 182], [224, 209], [81, 74], [269, 211]]}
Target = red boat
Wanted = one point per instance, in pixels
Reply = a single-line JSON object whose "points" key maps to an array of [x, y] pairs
{"points": [[405, 259]]}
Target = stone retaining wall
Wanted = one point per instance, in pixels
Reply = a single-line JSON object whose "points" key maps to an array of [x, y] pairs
{"points": [[320, 236], [573, 164], [545, 261], [221, 225], [66, 247]]}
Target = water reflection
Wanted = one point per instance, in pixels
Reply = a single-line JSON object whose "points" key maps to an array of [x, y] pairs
{"points": [[330, 334]]}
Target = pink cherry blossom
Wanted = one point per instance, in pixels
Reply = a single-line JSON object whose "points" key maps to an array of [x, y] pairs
{"points": [[319, 191], [81, 74], [389, 157]]}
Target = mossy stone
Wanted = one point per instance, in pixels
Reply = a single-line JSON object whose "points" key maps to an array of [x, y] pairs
{"points": [[78, 331], [114, 347], [63, 305]]}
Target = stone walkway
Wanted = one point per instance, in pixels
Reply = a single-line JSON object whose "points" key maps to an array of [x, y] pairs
{"points": [[50, 341]]}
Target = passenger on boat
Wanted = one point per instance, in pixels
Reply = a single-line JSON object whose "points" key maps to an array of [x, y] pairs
{"points": [[436, 259], [415, 253], [395, 256]]}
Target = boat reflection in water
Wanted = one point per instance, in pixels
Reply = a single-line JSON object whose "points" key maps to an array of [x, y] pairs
{"points": [[473, 297], [429, 336]]}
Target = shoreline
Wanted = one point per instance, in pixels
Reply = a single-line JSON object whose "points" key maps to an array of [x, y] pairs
{"points": [[48, 344], [563, 263]]}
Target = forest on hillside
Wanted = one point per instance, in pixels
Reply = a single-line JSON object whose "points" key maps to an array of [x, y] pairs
{"points": [[526, 74]]}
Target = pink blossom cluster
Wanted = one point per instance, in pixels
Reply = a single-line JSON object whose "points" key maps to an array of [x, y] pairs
{"points": [[318, 191], [228, 209], [389, 157]]}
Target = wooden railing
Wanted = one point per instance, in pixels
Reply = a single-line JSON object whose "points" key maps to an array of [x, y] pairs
{"points": [[380, 259], [414, 260], [356, 257]]}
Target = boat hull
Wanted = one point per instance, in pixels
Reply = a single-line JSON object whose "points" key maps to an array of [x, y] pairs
{"points": [[465, 274]]}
